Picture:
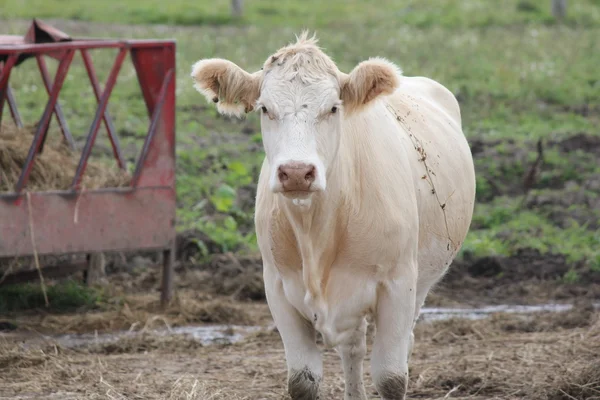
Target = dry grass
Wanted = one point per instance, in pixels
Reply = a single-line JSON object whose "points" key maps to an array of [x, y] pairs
{"points": [[54, 168], [493, 359], [183, 390], [132, 302], [143, 312], [547, 356], [581, 382], [455, 359], [142, 343]]}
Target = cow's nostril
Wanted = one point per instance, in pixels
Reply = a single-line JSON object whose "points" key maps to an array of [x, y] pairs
{"points": [[310, 176], [283, 176]]}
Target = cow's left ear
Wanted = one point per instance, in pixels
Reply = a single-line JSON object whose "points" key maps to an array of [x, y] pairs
{"points": [[367, 81]]}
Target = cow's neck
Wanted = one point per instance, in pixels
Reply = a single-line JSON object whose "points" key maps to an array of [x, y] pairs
{"points": [[320, 226]]}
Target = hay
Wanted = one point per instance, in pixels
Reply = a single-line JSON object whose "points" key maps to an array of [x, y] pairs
{"points": [[54, 168], [143, 343], [144, 312], [490, 359], [581, 383], [455, 359]]}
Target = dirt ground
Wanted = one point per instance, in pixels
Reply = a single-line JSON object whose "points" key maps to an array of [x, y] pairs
{"points": [[506, 356]]}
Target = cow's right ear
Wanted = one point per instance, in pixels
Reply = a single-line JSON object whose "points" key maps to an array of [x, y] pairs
{"points": [[234, 90]]}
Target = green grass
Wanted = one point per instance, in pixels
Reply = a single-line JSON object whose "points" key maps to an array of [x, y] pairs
{"points": [[65, 296], [518, 75], [421, 13], [503, 228]]}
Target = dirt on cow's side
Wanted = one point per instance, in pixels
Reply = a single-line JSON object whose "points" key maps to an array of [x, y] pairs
{"points": [[503, 357]]}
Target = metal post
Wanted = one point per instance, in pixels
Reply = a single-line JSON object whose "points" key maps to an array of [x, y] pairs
{"points": [[61, 74], [559, 9], [114, 140], [12, 105], [167, 277], [4, 75], [62, 122], [96, 268], [154, 120], [87, 149], [237, 8]]}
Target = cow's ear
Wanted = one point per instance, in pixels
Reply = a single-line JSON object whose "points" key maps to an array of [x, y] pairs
{"points": [[367, 81], [234, 90]]}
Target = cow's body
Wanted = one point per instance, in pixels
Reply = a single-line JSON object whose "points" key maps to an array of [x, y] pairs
{"points": [[397, 206]]}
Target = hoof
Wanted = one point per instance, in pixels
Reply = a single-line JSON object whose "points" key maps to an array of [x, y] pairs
{"points": [[392, 387], [304, 385]]}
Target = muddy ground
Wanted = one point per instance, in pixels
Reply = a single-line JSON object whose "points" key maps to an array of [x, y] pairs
{"points": [[505, 356]]}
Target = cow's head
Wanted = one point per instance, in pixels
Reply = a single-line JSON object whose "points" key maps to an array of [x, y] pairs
{"points": [[303, 99]]}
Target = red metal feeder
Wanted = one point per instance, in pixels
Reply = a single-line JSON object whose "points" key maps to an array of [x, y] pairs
{"points": [[140, 216]]}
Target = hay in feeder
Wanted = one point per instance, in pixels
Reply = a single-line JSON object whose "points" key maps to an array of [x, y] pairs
{"points": [[54, 168]]}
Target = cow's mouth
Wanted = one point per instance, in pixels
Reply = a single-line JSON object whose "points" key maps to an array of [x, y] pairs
{"points": [[297, 194]]}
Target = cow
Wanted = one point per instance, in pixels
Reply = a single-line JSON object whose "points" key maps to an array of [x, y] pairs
{"points": [[364, 198]]}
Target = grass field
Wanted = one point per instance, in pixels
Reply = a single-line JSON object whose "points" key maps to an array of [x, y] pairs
{"points": [[519, 76]]}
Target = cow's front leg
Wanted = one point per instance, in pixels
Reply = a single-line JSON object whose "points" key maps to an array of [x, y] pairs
{"points": [[304, 363], [353, 353], [393, 338]]}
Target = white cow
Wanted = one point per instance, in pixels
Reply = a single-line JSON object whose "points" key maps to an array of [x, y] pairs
{"points": [[364, 198]]}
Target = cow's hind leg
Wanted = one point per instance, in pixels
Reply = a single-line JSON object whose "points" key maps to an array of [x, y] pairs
{"points": [[305, 366], [353, 353], [393, 338]]}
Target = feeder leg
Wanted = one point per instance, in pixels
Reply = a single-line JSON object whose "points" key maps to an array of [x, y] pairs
{"points": [[12, 105], [95, 269], [167, 277]]}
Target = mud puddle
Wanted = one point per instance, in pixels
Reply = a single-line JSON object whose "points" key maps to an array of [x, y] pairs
{"points": [[441, 313], [206, 335]]}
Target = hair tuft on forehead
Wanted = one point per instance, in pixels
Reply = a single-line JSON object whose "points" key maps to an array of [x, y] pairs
{"points": [[304, 40], [303, 59]]}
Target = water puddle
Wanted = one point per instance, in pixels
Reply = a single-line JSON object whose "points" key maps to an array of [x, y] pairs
{"points": [[206, 335], [440, 313]]}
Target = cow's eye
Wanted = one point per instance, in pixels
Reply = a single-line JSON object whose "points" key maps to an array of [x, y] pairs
{"points": [[264, 109], [334, 110]]}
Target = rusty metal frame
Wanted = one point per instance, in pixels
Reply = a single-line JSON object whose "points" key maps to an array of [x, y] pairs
{"points": [[12, 105], [57, 108], [140, 216], [114, 141]]}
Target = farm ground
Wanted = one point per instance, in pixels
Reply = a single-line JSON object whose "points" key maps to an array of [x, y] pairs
{"points": [[519, 78], [506, 356]]}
